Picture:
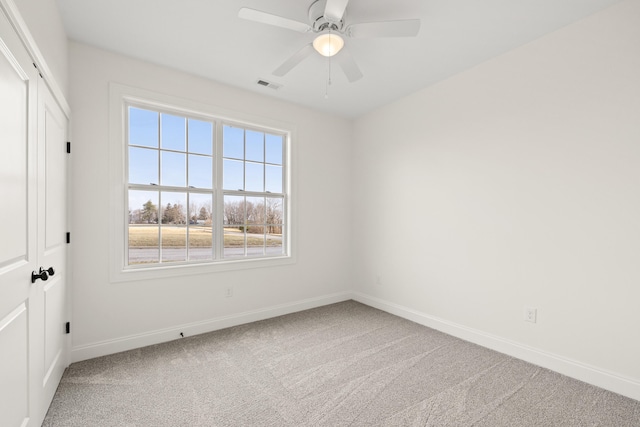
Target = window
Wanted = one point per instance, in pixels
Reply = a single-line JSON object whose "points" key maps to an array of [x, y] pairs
{"points": [[253, 192], [202, 190]]}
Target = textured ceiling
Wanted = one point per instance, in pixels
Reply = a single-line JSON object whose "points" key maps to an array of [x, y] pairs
{"points": [[206, 38]]}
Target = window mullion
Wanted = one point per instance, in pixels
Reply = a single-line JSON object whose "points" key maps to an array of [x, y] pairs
{"points": [[187, 190], [160, 208], [244, 159], [285, 196], [219, 194], [245, 226], [264, 162], [264, 225], [158, 184], [188, 225]]}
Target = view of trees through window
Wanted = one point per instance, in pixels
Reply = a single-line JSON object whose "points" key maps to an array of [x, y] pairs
{"points": [[173, 192]]}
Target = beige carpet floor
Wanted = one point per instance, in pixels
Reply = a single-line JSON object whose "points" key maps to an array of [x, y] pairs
{"points": [[344, 364]]}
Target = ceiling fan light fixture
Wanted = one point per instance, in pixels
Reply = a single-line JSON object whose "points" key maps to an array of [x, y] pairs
{"points": [[328, 44]]}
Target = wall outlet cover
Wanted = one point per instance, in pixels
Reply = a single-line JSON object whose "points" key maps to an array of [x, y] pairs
{"points": [[530, 314]]}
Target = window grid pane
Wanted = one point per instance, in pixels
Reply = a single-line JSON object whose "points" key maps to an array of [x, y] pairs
{"points": [[143, 230], [200, 228]]}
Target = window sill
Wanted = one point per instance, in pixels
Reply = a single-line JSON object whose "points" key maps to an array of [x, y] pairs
{"points": [[181, 270]]}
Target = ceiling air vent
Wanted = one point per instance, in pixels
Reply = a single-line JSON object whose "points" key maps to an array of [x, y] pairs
{"points": [[269, 84]]}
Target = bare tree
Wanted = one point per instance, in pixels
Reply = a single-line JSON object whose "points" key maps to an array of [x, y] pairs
{"points": [[255, 215], [274, 215], [234, 212], [173, 214], [193, 213]]}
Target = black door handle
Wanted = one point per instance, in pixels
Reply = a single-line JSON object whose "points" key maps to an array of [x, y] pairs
{"points": [[42, 274]]}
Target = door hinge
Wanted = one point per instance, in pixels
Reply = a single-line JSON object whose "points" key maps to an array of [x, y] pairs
{"points": [[68, 147], [68, 237], [38, 69], [67, 327]]}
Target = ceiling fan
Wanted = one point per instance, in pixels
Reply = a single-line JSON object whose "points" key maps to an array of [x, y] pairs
{"points": [[327, 19]]}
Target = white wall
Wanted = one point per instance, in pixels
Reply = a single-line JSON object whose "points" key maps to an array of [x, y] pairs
{"points": [[45, 26], [113, 316], [515, 184]]}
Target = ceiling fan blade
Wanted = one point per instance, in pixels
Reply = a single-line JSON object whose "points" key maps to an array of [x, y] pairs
{"points": [[268, 18], [403, 28], [348, 65], [294, 60], [334, 10]]}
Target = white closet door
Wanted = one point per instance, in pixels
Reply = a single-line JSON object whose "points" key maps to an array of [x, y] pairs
{"points": [[18, 226], [33, 225], [52, 242]]}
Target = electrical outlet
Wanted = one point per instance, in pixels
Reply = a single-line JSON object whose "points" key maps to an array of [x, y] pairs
{"points": [[530, 314], [228, 292]]}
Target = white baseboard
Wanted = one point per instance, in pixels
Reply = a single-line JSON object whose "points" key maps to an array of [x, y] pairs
{"points": [[131, 342], [590, 374]]}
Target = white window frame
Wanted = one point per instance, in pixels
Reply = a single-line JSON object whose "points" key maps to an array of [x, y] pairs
{"points": [[121, 97]]}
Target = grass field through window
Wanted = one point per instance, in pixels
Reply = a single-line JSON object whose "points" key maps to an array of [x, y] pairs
{"points": [[146, 236]]}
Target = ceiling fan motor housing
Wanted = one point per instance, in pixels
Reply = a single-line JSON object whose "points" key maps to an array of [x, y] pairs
{"points": [[319, 23]]}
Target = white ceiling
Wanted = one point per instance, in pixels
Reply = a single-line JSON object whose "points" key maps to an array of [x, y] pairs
{"points": [[206, 38]]}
